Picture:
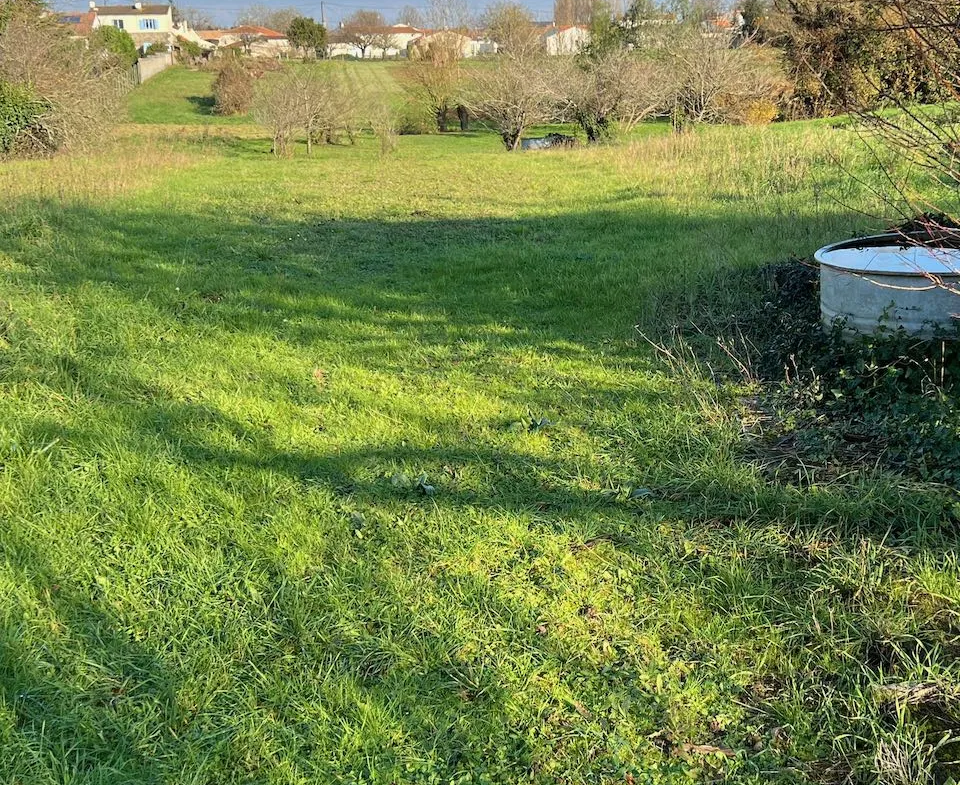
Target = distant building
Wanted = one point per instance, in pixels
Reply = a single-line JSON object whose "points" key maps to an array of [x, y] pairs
{"points": [[396, 37], [446, 38], [566, 40], [81, 23], [146, 24], [253, 40]]}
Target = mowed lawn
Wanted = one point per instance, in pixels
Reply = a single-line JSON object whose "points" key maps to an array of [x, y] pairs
{"points": [[182, 96], [355, 468]]}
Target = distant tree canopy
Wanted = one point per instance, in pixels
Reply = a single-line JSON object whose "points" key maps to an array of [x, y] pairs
{"points": [[194, 18], [449, 15], [412, 16], [511, 26], [366, 30], [572, 12], [260, 15], [116, 43], [308, 35]]}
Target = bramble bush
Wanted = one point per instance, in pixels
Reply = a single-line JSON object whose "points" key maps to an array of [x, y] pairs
{"points": [[54, 95], [233, 88]]}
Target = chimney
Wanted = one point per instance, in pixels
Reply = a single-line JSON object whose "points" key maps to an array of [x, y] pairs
{"points": [[138, 5], [93, 5]]}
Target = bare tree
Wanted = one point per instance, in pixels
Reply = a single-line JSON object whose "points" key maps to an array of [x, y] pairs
{"points": [[386, 41], [922, 141], [617, 87], [573, 12], [512, 27], [194, 18], [515, 94], [260, 15], [321, 105], [247, 40], [711, 82], [432, 77], [280, 107], [412, 16], [449, 15], [364, 29]]}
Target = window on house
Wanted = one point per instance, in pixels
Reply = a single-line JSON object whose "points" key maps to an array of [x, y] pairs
{"points": [[148, 24], [118, 23]]}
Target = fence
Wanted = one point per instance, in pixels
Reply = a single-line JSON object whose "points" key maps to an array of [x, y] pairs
{"points": [[149, 66]]}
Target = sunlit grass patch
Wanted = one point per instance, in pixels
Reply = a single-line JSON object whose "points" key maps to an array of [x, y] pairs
{"points": [[354, 468]]}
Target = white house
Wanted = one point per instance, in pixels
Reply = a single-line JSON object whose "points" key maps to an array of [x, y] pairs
{"points": [[445, 38], [398, 38], [567, 40], [146, 24], [482, 44]]}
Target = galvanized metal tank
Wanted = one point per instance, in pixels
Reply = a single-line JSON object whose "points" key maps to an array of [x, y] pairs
{"points": [[892, 281]]}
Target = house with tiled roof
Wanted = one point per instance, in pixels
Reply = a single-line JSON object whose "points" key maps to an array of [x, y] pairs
{"points": [[81, 23], [146, 24], [251, 39]]}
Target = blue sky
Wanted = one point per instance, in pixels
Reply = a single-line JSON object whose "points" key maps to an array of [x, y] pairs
{"points": [[225, 11]]}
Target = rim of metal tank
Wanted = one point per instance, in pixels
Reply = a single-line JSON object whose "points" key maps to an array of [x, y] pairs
{"points": [[890, 254]]}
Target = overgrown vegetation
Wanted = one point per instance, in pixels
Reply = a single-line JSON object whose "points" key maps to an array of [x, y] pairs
{"points": [[320, 104], [353, 468], [433, 78], [54, 95], [823, 397]]}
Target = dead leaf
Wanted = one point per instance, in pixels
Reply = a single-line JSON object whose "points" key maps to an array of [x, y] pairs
{"points": [[705, 749]]}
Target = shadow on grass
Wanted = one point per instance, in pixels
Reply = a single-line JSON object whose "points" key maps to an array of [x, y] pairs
{"points": [[204, 104], [399, 685]]}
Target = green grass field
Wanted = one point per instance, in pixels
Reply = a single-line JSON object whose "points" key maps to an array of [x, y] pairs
{"points": [[354, 468], [181, 96]]}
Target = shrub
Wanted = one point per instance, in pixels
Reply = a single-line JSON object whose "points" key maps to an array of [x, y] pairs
{"points": [[713, 83], [116, 44], [21, 118], [762, 112], [157, 49], [187, 50], [414, 119], [383, 122], [233, 88]]}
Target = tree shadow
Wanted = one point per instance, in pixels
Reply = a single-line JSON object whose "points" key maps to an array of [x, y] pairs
{"points": [[204, 104], [371, 645]]}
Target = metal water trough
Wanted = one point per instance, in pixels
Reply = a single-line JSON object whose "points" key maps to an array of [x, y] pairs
{"points": [[548, 141], [892, 281]]}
